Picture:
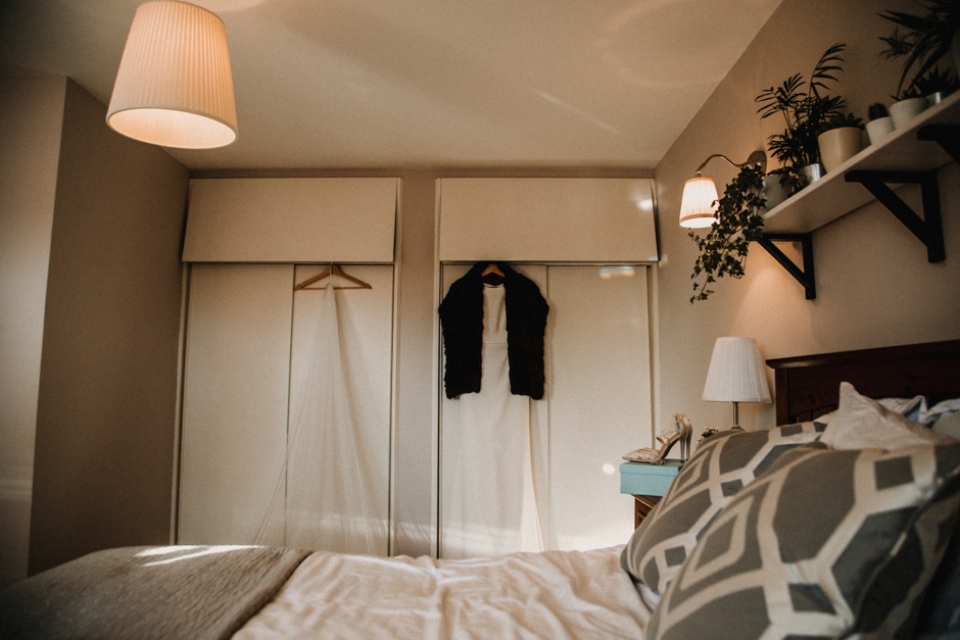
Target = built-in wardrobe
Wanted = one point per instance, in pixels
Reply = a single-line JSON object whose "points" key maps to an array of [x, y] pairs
{"points": [[288, 431]]}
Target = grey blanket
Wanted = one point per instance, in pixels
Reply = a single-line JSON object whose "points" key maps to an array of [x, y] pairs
{"points": [[194, 592]]}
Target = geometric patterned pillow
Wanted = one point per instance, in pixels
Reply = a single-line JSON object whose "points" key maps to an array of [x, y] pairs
{"points": [[940, 612], [826, 544], [725, 463]]}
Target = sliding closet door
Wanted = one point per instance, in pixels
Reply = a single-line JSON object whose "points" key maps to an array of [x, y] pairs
{"points": [[600, 399], [286, 427], [235, 399]]}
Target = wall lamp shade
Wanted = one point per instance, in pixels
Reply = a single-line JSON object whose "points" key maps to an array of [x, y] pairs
{"points": [[174, 87], [736, 374], [698, 206]]}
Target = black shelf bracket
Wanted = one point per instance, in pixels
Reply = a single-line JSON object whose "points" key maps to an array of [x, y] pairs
{"points": [[805, 275], [946, 135], [929, 228]]}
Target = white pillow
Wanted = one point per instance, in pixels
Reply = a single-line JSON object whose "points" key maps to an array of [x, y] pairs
{"points": [[944, 418], [862, 423], [912, 408], [948, 424], [929, 416]]}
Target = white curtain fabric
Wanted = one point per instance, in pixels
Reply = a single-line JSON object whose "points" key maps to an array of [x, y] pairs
{"points": [[493, 509], [324, 497]]}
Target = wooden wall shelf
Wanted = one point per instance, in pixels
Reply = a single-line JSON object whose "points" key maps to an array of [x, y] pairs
{"points": [[909, 155], [833, 196]]}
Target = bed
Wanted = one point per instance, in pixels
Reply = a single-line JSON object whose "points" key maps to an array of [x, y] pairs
{"points": [[760, 536]]}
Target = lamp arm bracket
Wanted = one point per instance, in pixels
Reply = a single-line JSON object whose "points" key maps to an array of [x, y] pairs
{"points": [[757, 158]]}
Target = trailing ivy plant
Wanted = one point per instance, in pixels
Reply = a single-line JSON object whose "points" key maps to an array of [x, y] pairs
{"points": [[723, 249]]}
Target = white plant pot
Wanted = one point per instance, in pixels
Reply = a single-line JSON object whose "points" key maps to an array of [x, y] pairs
{"points": [[813, 172], [773, 191], [880, 128], [839, 145], [904, 111]]}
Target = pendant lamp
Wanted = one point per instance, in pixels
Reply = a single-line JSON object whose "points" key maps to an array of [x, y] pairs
{"points": [[174, 87]]}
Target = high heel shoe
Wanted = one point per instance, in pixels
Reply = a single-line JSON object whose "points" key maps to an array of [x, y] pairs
{"points": [[681, 432]]}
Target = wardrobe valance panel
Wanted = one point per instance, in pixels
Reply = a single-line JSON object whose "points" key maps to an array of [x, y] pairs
{"points": [[547, 219], [291, 220]]}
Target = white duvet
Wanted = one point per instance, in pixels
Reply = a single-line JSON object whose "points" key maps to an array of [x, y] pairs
{"points": [[554, 594]]}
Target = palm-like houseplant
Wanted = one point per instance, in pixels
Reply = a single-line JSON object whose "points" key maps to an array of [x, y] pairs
{"points": [[921, 40], [805, 107], [936, 81]]}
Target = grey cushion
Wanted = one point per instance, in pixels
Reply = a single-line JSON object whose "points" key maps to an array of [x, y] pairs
{"points": [[826, 544], [725, 463], [940, 613]]}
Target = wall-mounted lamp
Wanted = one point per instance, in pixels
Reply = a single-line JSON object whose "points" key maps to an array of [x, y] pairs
{"points": [[698, 208], [736, 374], [174, 87]]}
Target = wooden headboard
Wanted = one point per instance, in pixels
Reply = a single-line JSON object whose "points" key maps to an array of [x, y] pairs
{"points": [[809, 386]]}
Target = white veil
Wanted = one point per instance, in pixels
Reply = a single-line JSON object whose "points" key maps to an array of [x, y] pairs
{"points": [[323, 494]]}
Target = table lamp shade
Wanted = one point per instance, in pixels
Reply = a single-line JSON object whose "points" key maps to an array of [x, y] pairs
{"points": [[736, 372], [174, 87]]}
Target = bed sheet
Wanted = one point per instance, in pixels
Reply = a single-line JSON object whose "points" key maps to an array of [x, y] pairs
{"points": [[553, 594]]}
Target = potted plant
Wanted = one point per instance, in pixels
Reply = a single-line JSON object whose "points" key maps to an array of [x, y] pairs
{"points": [[841, 138], [923, 40], [805, 108], [908, 104], [776, 187], [936, 85], [723, 250], [879, 122]]}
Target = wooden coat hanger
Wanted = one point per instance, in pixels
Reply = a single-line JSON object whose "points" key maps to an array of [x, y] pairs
{"points": [[492, 275], [492, 268], [331, 270]]}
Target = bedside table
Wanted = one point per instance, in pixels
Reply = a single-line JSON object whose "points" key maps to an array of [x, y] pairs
{"points": [[647, 483]]}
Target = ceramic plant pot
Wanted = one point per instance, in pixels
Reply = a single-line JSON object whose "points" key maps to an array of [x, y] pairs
{"points": [[773, 191], [839, 145], [878, 129], [813, 172], [904, 111]]}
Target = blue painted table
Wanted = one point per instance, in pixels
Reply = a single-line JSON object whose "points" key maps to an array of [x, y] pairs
{"points": [[647, 483]]}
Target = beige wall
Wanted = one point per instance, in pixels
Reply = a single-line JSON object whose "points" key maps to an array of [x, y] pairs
{"points": [[31, 115], [874, 284], [109, 314]]}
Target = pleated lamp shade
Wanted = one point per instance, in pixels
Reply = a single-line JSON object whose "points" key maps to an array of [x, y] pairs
{"points": [[174, 87], [698, 208], [736, 372]]}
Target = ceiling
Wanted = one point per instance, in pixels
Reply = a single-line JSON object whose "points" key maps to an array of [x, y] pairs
{"points": [[336, 84]]}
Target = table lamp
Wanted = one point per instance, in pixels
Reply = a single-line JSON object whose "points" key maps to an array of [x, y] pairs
{"points": [[736, 374]]}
